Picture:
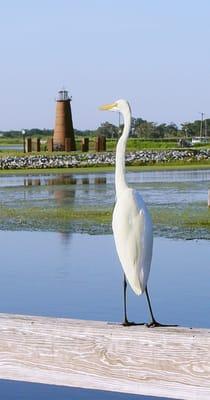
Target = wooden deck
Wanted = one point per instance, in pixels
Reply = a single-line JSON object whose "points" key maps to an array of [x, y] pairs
{"points": [[167, 362]]}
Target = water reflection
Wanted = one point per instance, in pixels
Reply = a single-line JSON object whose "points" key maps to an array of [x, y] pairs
{"points": [[63, 179], [65, 237], [32, 182], [100, 180], [157, 187], [132, 177], [65, 189], [62, 187], [162, 190]]}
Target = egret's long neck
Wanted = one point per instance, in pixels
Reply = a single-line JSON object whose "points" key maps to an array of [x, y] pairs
{"points": [[120, 180]]}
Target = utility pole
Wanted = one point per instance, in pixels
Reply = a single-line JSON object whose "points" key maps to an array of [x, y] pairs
{"points": [[201, 124], [205, 128]]}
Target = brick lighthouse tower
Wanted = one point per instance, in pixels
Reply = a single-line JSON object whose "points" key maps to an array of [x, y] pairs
{"points": [[63, 137]]}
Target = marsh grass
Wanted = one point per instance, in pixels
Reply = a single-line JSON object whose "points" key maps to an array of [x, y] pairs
{"points": [[46, 217], [187, 222], [189, 217]]}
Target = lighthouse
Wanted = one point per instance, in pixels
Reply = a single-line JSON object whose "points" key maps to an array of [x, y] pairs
{"points": [[63, 137]]}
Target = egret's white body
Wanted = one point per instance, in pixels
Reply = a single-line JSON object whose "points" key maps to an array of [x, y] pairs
{"points": [[132, 228], [131, 222]]}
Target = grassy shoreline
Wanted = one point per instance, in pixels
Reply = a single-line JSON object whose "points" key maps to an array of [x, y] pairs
{"points": [[191, 223], [104, 169]]}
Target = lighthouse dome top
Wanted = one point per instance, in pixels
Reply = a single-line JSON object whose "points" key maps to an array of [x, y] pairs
{"points": [[63, 95]]}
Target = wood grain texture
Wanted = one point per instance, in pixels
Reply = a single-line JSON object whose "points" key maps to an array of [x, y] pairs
{"points": [[168, 362]]}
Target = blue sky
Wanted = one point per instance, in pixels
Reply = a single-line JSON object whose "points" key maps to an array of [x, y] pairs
{"points": [[154, 53]]}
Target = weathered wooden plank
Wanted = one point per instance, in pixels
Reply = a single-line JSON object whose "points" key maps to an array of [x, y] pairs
{"points": [[169, 362]]}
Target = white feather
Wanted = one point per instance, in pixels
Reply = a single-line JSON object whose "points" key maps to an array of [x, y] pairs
{"points": [[132, 228]]}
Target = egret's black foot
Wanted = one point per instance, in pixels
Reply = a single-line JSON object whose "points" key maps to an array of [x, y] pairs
{"points": [[128, 323], [154, 324]]}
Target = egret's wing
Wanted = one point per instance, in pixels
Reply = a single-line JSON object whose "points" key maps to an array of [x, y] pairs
{"points": [[132, 230], [146, 240]]}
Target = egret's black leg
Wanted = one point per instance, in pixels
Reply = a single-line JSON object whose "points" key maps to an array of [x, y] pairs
{"points": [[125, 301], [149, 304], [126, 322], [153, 323]]}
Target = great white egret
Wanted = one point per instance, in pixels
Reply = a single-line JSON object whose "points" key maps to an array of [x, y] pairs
{"points": [[131, 221]]}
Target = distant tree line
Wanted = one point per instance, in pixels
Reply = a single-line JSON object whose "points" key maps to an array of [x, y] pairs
{"points": [[139, 128], [151, 130], [29, 132]]}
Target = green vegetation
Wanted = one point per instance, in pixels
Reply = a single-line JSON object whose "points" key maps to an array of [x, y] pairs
{"points": [[133, 144], [10, 141], [170, 221], [18, 135], [190, 217], [140, 128], [151, 130], [54, 219], [98, 169], [55, 214]]}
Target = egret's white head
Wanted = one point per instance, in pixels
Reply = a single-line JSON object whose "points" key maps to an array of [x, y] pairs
{"points": [[119, 105]]}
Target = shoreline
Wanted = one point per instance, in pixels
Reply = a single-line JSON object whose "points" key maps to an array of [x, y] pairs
{"points": [[104, 169], [38, 163]]}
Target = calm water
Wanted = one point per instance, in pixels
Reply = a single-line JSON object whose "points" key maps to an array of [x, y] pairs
{"points": [[12, 147], [157, 187], [79, 276]]}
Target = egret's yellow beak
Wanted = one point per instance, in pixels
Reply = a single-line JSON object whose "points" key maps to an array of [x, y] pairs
{"points": [[108, 106]]}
